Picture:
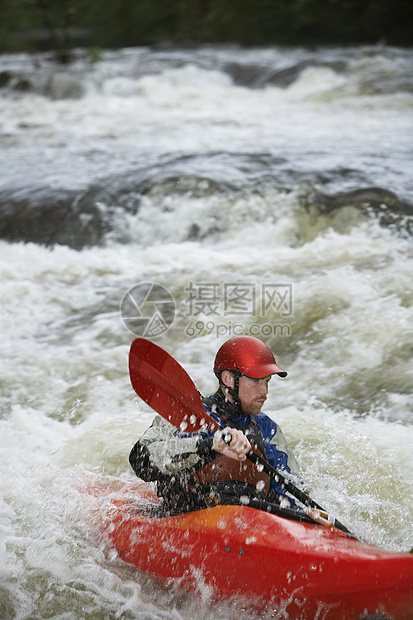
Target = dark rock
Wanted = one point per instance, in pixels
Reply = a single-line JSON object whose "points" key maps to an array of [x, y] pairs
{"points": [[65, 217], [5, 78]]}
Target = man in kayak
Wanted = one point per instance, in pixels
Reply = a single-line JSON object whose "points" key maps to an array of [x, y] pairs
{"points": [[195, 470]]}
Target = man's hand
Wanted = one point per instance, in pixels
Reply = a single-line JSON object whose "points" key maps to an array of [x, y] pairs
{"points": [[238, 447]]}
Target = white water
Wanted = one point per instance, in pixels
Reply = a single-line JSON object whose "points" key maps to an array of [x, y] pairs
{"points": [[68, 412]]}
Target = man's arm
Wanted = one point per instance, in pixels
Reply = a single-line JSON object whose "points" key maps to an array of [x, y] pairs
{"points": [[162, 451]]}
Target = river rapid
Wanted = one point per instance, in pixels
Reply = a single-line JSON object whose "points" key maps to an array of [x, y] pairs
{"points": [[265, 191]]}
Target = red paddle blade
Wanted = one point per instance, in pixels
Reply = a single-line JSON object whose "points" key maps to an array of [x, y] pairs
{"points": [[166, 387]]}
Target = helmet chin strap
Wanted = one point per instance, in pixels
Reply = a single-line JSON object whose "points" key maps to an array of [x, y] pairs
{"points": [[235, 406]]}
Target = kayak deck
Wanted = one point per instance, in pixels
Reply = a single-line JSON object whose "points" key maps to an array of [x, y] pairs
{"points": [[307, 570]]}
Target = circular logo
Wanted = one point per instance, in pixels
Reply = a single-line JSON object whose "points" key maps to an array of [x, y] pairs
{"points": [[148, 309]]}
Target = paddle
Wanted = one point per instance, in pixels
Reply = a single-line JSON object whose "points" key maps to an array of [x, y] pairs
{"points": [[168, 389]]}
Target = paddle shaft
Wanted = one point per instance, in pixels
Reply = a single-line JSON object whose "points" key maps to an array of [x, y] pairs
{"points": [[291, 488]]}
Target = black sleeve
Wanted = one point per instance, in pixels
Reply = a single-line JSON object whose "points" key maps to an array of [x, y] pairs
{"points": [[204, 447], [140, 461], [167, 485]]}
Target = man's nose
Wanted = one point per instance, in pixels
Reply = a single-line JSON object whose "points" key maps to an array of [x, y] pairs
{"points": [[264, 386]]}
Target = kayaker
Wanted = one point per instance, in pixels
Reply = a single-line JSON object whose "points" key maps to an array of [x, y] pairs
{"points": [[195, 470]]}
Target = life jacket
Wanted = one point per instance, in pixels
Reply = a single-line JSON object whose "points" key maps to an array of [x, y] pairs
{"points": [[225, 469]]}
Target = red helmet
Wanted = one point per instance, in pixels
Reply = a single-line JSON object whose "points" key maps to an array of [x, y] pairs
{"points": [[249, 355]]}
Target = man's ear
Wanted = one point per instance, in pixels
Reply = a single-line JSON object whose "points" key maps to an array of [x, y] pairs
{"points": [[227, 378]]}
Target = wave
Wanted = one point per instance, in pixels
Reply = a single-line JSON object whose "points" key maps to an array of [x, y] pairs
{"points": [[104, 210], [367, 69]]}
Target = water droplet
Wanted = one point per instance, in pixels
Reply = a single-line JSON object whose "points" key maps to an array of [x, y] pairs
{"points": [[260, 485]]}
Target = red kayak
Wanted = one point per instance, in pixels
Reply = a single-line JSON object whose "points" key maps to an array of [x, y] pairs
{"points": [[304, 570]]}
